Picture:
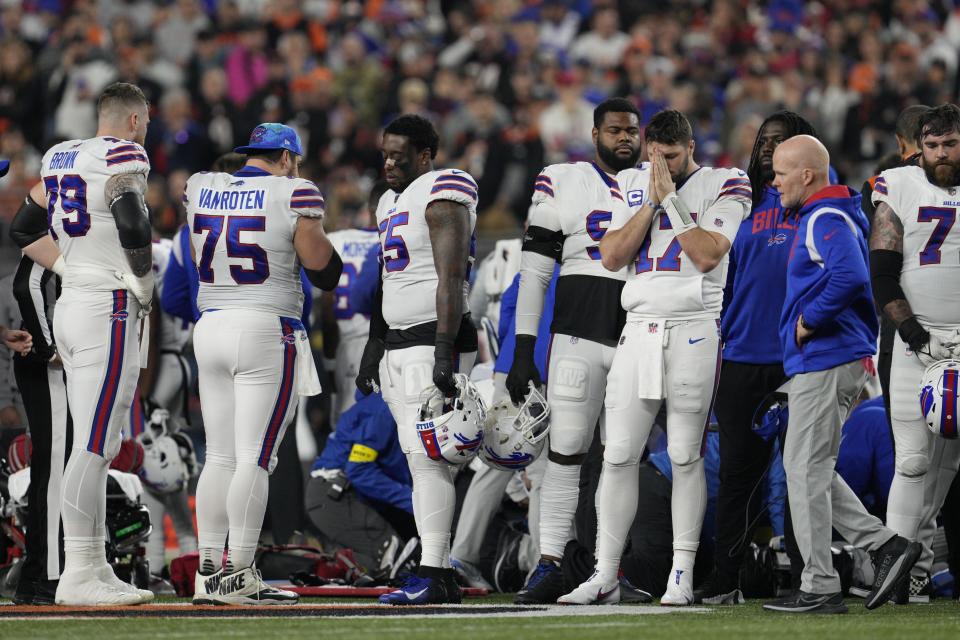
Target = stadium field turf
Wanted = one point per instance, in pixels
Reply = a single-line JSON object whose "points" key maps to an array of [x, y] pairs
{"points": [[493, 620]]}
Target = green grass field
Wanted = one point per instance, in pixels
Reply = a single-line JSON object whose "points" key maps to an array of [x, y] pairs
{"points": [[938, 620]]}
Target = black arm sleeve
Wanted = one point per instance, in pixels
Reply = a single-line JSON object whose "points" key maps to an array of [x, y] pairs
{"points": [[885, 267], [378, 326], [130, 214], [29, 224], [328, 277], [544, 241]]}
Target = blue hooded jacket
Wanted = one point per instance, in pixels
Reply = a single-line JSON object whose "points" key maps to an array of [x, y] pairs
{"points": [[828, 281]]}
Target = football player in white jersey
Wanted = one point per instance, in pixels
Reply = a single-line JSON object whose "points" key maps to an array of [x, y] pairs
{"points": [[420, 328], [98, 242], [352, 327], [915, 269], [574, 205], [251, 232], [675, 249]]}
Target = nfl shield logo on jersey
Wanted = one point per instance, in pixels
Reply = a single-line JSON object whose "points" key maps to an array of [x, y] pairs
{"points": [[652, 327]]}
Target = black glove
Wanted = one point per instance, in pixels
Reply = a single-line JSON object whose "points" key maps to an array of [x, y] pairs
{"points": [[369, 374], [443, 366], [524, 370], [913, 333]]}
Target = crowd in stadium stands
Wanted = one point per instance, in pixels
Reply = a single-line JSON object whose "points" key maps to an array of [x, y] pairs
{"points": [[511, 84]]}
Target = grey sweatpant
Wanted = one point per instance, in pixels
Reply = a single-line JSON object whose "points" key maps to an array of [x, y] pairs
{"points": [[819, 498]]}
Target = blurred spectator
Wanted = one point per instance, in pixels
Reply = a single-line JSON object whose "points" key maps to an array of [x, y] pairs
{"points": [[604, 44], [183, 142], [22, 101], [565, 126], [359, 79], [505, 81]]}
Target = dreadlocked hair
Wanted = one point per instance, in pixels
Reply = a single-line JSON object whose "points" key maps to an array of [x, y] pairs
{"points": [[794, 125]]}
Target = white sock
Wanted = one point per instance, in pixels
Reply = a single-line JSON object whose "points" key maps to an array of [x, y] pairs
{"points": [[84, 477], [246, 506], [558, 504], [212, 521], [434, 499], [616, 509], [905, 504], [687, 503]]}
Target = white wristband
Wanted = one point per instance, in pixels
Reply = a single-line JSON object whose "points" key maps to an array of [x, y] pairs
{"points": [[677, 213], [59, 266]]}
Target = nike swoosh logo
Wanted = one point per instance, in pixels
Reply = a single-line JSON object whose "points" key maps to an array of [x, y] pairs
{"points": [[414, 596], [601, 595], [695, 341], [831, 234]]}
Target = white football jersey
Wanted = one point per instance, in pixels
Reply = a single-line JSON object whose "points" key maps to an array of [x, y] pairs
{"points": [[75, 175], [242, 230], [579, 199], [663, 282], [931, 243], [174, 332], [353, 246], [409, 274]]}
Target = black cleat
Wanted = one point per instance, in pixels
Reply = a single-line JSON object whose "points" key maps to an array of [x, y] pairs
{"points": [[544, 586]]}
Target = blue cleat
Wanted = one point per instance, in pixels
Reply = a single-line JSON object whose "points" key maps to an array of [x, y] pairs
{"points": [[544, 586], [418, 590]]}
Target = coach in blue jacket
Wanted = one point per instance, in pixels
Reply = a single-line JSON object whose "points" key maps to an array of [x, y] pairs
{"points": [[828, 328]]}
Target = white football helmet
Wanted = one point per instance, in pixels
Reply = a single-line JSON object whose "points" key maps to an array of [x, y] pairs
{"points": [[513, 437], [939, 396], [452, 429], [163, 468]]}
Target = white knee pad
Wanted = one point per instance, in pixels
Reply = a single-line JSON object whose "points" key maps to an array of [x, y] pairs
{"points": [[220, 460], [573, 413], [912, 465], [682, 455]]}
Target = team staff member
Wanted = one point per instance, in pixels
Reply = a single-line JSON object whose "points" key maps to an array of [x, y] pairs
{"points": [[828, 327], [360, 493], [44, 391], [752, 360]]}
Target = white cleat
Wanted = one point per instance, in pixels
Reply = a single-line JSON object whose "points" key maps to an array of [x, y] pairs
{"points": [[595, 590], [679, 589], [205, 588], [106, 575], [246, 587], [80, 588]]}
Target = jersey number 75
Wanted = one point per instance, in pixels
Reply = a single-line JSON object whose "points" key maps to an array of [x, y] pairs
{"points": [[213, 225]]}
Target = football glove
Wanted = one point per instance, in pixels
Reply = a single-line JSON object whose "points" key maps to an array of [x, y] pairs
{"points": [[368, 378], [929, 347], [141, 288], [443, 367], [524, 370]]}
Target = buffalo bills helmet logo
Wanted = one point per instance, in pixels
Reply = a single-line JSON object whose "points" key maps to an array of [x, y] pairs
{"points": [[258, 134]]}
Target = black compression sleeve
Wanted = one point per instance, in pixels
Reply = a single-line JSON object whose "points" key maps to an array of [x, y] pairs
{"points": [[130, 214], [885, 267], [378, 326], [329, 277], [544, 241], [29, 224]]}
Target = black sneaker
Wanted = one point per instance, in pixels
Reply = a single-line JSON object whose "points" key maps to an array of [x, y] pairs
{"points": [[630, 594], [452, 586], [893, 562], [916, 590], [544, 586], [711, 592], [35, 592], [803, 602]]}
